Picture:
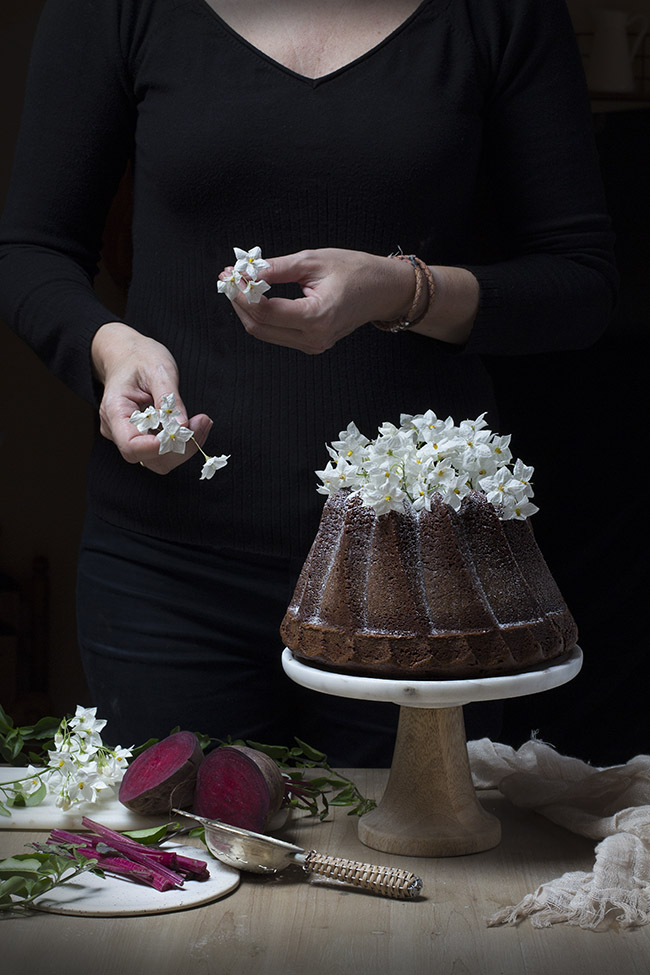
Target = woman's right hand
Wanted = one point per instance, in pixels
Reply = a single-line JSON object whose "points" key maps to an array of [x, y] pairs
{"points": [[136, 372]]}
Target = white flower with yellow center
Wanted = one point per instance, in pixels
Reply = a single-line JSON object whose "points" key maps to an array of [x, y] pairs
{"points": [[145, 420], [173, 438], [250, 262], [253, 290], [230, 286]]}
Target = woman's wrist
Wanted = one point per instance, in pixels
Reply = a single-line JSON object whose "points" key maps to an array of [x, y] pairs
{"points": [[108, 341], [451, 315], [401, 280], [445, 307]]}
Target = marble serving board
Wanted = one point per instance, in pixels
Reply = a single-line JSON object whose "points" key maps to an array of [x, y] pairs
{"points": [[47, 815], [92, 896]]}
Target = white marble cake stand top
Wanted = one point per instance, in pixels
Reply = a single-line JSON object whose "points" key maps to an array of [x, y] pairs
{"points": [[434, 693]]}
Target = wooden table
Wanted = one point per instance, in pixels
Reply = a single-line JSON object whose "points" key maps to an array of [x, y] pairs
{"points": [[287, 925]]}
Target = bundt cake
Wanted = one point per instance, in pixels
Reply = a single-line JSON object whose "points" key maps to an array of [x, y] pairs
{"points": [[452, 587]]}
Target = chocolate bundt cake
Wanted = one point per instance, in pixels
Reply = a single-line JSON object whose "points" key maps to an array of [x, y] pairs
{"points": [[432, 593]]}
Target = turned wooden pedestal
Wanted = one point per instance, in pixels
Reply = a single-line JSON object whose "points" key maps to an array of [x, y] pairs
{"points": [[430, 807]]}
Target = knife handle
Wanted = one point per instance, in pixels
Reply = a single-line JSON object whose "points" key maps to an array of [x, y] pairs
{"points": [[387, 881]]}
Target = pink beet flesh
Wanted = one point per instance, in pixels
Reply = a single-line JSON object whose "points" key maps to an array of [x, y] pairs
{"points": [[162, 776], [238, 786]]}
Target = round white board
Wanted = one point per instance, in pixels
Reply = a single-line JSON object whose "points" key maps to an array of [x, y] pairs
{"points": [[91, 896], [434, 693]]}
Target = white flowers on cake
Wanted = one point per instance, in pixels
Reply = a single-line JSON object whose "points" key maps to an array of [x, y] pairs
{"points": [[426, 456]]}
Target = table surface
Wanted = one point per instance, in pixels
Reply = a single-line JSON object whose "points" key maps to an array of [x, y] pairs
{"points": [[286, 924]]}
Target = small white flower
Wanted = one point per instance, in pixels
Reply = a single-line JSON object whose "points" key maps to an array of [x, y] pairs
{"points": [[502, 487], [521, 509], [62, 762], [212, 465], [469, 428], [454, 492], [351, 445], [524, 474], [478, 462], [250, 262], [420, 494], [230, 287], [384, 493], [441, 475], [173, 438], [330, 482], [114, 764], [34, 777], [85, 721], [148, 419], [501, 450], [254, 290], [168, 408], [85, 786]]}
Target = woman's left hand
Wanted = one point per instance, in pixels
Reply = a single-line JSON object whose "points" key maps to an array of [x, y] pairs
{"points": [[342, 290]]}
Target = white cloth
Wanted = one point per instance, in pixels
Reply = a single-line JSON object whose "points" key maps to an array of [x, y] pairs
{"points": [[611, 805]]}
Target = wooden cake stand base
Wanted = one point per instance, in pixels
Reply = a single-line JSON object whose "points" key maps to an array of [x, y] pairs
{"points": [[429, 807]]}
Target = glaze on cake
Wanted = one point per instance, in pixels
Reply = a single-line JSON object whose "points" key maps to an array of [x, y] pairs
{"points": [[428, 594]]}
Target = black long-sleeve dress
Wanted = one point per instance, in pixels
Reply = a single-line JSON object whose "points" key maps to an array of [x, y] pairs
{"points": [[463, 137]]}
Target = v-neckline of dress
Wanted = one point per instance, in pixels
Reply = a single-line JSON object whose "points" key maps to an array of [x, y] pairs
{"points": [[330, 75]]}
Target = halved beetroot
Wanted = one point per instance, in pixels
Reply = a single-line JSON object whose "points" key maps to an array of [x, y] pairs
{"points": [[239, 786], [163, 776]]}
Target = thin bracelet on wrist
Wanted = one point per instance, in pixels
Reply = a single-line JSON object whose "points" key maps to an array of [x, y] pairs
{"points": [[422, 274]]}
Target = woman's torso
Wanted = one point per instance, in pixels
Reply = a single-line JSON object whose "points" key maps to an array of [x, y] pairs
{"points": [[234, 147]]}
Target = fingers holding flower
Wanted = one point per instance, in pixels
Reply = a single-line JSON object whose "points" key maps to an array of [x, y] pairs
{"points": [[342, 290], [173, 437]]}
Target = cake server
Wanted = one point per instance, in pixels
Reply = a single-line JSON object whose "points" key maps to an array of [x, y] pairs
{"points": [[258, 853]]}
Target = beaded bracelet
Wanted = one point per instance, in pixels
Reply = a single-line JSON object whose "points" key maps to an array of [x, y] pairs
{"points": [[422, 274]]}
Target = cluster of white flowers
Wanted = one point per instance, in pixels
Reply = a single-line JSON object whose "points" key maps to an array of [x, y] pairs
{"points": [[425, 456], [173, 436], [80, 766], [244, 278]]}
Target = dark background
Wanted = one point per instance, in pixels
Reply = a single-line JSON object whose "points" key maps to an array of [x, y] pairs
{"points": [[578, 418]]}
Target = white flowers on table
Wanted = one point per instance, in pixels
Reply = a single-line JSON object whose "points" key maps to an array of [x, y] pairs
{"points": [[244, 277], [80, 767], [173, 437], [424, 456]]}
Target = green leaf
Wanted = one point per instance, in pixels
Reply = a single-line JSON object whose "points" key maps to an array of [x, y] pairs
{"points": [[12, 745], [21, 863], [344, 797], [278, 753], [44, 728], [3, 810], [6, 723], [311, 753], [150, 835], [13, 885]]}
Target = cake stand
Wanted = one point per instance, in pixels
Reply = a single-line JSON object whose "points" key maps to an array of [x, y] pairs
{"points": [[429, 807]]}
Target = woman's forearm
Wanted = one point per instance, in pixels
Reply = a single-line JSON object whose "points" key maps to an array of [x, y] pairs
{"points": [[452, 311]]}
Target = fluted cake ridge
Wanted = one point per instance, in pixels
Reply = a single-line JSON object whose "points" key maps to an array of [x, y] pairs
{"points": [[428, 594]]}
